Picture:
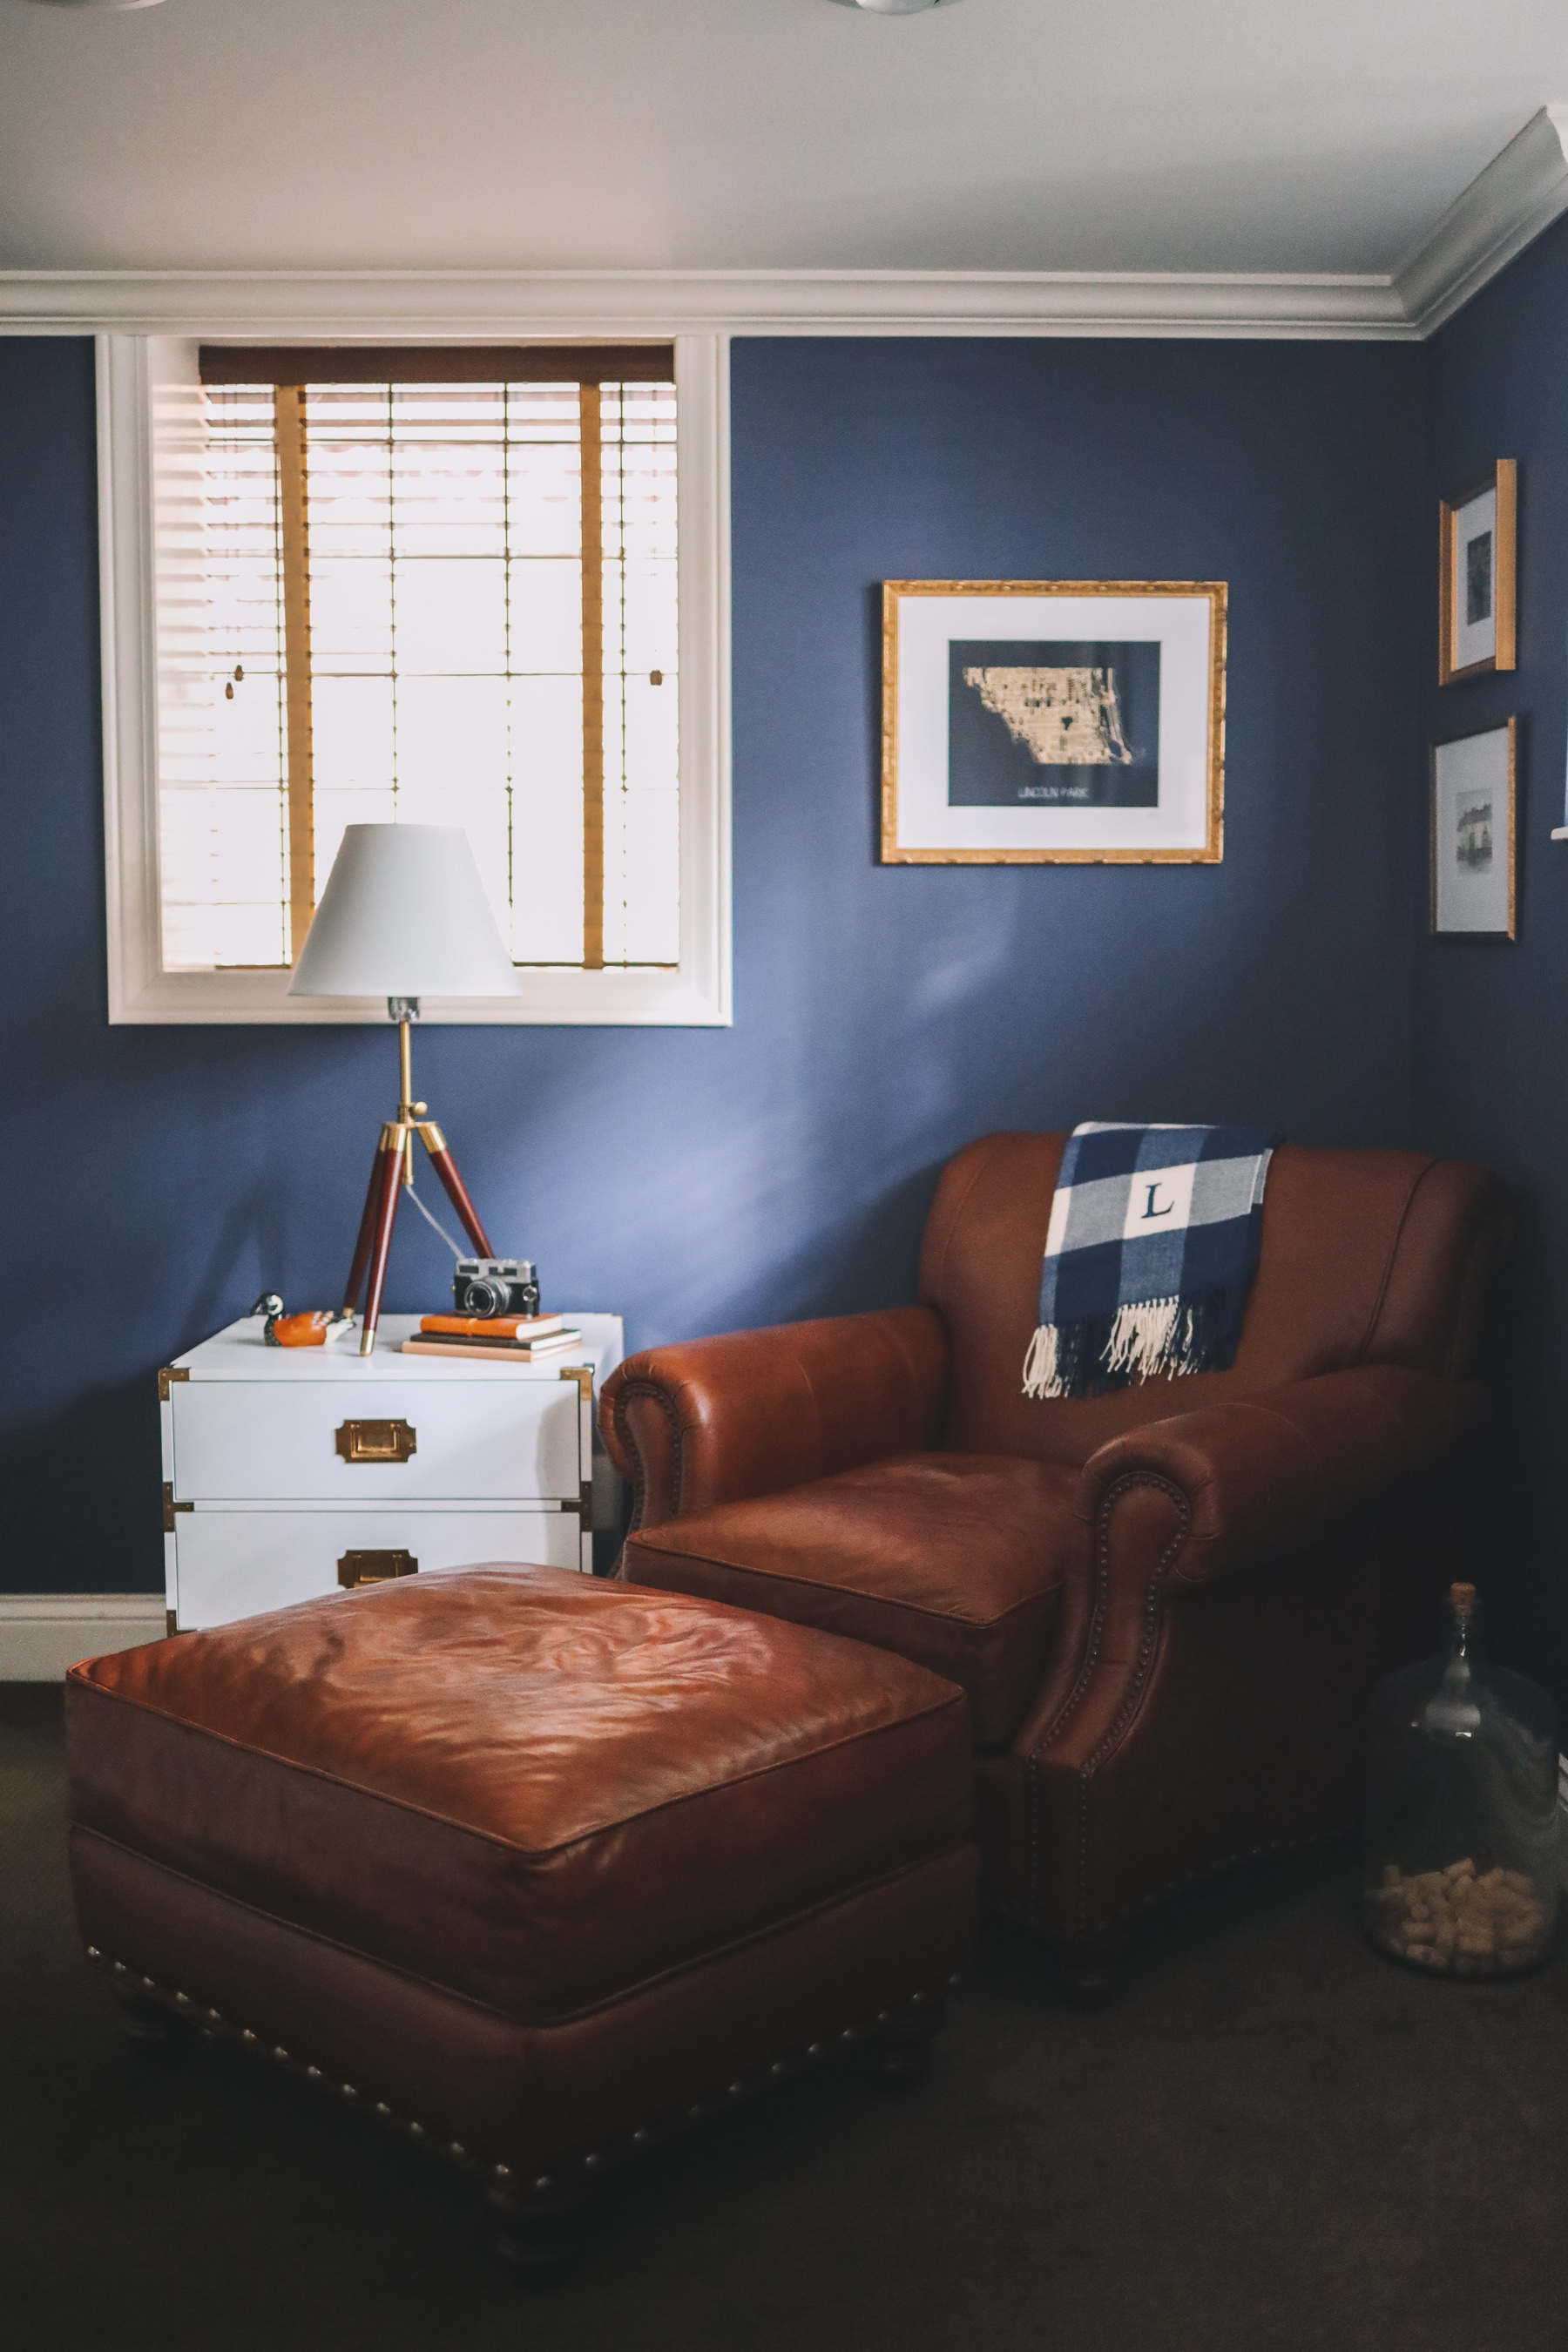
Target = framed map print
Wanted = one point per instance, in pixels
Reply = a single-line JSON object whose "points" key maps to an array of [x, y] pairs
{"points": [[1472, 849], [1052, 723], [1475, 576]]}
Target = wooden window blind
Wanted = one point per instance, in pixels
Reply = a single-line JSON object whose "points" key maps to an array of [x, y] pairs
{"points": [[435, 586]]}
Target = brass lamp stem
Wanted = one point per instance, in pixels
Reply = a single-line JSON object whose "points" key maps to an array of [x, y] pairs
{"points": [[405, 1011], [405, 1104]]}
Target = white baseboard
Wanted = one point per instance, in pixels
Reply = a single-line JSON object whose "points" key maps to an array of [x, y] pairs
{"points": [[42, 1634]]}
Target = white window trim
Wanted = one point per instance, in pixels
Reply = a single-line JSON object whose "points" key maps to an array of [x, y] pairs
{"points": [[696, 993]]}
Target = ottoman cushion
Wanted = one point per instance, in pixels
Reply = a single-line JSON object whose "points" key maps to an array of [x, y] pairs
{"points": [[537, 1793]]}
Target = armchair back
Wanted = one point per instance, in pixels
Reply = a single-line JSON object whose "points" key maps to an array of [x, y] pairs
{"points": [[1368, 1258]]}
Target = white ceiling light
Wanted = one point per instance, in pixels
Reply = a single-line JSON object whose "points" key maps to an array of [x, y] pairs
{"points": [[96, 4], [876, 7]]}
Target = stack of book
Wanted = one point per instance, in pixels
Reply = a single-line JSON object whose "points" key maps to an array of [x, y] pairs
{"points": [[517, 1338]]}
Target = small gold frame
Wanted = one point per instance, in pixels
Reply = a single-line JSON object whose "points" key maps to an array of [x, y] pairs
{"points": [[1502, 478], [1213, 849], [1500, 932]]}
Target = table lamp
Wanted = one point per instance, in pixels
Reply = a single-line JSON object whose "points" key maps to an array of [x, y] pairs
{"points": [[404, 915]]}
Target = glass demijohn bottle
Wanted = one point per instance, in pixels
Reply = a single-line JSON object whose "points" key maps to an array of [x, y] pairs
{"points": [[1461, 1871]]}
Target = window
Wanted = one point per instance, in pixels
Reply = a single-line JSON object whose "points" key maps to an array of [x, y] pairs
{"points": [[439, 586]]}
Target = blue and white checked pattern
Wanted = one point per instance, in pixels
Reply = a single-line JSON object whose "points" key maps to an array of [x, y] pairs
{"points": [[1151, 1251]]}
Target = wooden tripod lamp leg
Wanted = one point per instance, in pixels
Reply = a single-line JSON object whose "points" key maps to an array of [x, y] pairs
{"points": [[445, 1166], [366, 1232], [392, 1139]]}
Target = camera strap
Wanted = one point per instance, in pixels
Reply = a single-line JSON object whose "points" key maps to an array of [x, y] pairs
{"points": [[432, 1221]]}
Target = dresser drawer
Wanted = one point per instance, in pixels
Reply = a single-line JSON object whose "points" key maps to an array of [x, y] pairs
{"points": [[505, 1439], [230, 1564]]}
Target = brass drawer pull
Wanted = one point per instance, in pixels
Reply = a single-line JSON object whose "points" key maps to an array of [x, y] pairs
{"points": [[376, 1440], [374, 1568]]}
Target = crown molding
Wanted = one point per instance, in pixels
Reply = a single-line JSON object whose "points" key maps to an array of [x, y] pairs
{"points": [[1522, 192], [475, 304]]}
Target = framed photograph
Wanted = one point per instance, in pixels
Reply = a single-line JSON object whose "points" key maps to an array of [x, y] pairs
{"points": [[1052, 723], [1473, 833], [1475, 571]]}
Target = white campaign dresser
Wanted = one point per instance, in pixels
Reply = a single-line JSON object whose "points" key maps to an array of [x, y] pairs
{"points": [[291, 1471]]}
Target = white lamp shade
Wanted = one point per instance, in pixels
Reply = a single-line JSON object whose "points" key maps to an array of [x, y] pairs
{"points": [[404, 914]]}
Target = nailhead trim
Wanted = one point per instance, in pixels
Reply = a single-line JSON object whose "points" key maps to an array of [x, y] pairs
{"points": [[545, 2184]]}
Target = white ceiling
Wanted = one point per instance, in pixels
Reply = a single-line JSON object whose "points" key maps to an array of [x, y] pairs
{"points": [[1270, 135]]}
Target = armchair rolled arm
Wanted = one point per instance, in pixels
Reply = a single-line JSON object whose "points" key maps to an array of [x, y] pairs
{"points": [[1264, 1478], [717, 1421], [1251, 1568]]}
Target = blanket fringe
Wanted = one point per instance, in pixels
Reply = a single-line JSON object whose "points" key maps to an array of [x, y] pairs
{"points": [[1040, 1376], [1154, 1336]]}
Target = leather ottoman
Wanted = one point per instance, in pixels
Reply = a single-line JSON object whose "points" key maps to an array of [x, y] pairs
{"points": [[529, 1865]]}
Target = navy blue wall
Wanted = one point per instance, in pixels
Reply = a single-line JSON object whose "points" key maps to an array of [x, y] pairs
{"points": [[701, 1179], [1491, 1068]]}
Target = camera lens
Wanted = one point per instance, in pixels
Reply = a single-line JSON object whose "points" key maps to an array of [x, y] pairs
{"points": [[484, 1297]]}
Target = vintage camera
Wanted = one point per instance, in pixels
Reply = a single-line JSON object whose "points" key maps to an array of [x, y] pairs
{"points": [[496, 1286]]}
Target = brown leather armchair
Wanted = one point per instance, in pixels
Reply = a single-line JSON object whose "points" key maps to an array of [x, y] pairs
{"points": [[1167, 1605]]}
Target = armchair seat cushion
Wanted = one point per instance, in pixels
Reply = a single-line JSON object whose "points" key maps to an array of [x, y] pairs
{"points": [[953, 1560]]}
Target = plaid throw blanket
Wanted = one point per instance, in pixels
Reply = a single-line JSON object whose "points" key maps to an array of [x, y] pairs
{"points": [[1149, 1255]]}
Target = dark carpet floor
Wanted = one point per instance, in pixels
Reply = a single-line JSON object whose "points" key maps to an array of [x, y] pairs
{"points": [[1272, 2139]]}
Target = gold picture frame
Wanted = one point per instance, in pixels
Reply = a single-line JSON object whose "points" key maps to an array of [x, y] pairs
{"points": [[1477, 533], [961, 743], [1472, 881]]}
